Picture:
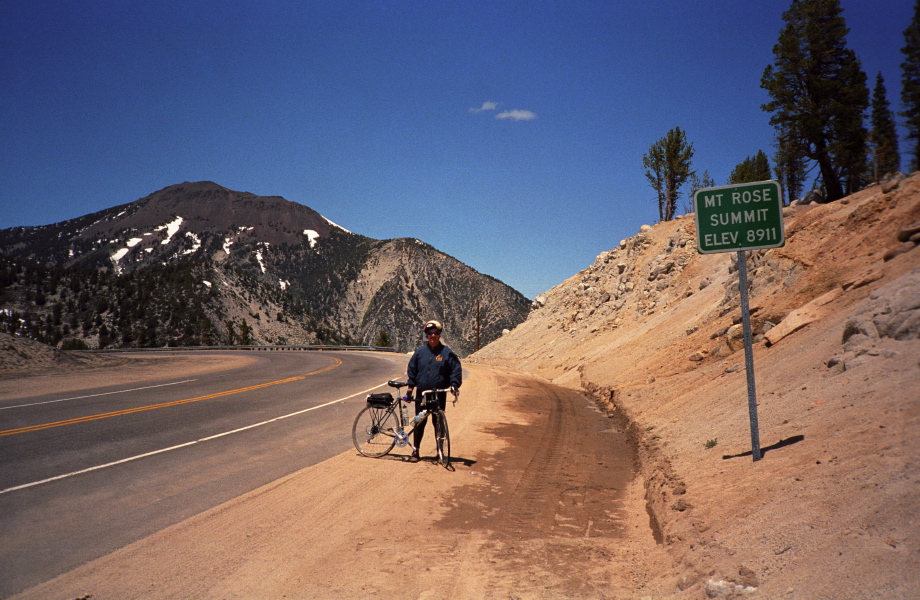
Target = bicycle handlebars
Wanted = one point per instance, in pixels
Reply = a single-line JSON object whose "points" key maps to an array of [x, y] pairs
{"points": [[402, 384], [428, 392]]}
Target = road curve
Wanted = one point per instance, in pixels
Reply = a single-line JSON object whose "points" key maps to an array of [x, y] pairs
{"points": [[86, 471]]}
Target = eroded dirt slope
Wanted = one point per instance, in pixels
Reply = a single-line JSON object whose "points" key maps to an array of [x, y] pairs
{"points": [[650, 330]]}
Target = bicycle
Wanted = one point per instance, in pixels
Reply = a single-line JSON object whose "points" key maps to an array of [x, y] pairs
{"points": [[379, 427]]}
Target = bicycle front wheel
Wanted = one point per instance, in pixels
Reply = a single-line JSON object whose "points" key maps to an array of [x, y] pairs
{"points": [[442, 435], [374, 431]]}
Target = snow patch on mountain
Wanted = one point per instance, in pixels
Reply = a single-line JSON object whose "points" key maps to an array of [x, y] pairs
{"points": [[335, 225], [259, 258], [120, 254], [171, 229], [195, 246]]}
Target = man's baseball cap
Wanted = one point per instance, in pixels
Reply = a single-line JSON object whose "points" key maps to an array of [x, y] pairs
{"points": [[433, 325]]}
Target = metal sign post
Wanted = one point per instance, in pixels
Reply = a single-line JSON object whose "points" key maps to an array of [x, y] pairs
{"points": [[748, 354], [738, 218]]}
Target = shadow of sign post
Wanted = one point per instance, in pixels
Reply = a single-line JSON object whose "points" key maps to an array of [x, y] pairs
{"points": [[763, 451], [739, 218]]}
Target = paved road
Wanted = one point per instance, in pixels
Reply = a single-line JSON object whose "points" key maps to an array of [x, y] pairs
{"points": [[83, 474]]}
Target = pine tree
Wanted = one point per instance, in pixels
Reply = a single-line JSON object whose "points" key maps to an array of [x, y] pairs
{"points": [[819, 94], [740, 173], [245, 335], [383, 339], [654, 163], [789, 164], [697, 183], [883, 134], [701, 183], [667, 167], [910, 84], [751, 169], [760, 167]]}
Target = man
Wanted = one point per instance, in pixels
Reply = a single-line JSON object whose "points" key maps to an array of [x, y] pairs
{"points": [[432, 366]]}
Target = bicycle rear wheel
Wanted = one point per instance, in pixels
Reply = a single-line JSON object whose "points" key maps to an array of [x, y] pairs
{"points": [[374, 431], [442, 436]]}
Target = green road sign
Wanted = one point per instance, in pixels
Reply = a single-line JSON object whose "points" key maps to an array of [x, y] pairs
{"points": [[746, 216]]}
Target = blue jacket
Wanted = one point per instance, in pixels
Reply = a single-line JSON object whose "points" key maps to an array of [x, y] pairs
{"points": [[434, 369]]}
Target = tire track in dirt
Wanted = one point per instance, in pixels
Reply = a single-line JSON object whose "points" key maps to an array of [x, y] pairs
{"points": [[551, 513], [532, 497], [565, 471]]}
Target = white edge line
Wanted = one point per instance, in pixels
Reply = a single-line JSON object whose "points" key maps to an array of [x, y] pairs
{"points": [[149, 387], [162, 450]]}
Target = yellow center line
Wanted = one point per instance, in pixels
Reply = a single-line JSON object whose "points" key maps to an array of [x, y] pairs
{"points": [[138, 409]]}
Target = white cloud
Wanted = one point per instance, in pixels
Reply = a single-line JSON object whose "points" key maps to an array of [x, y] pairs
{"points": [[517, 115], [485, 107]]}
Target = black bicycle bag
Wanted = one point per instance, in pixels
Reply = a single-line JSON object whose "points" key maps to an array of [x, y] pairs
{"points": [[385, 399]]}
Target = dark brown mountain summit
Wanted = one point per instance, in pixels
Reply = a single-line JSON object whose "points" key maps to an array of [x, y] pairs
{"points": [[207, 207]]}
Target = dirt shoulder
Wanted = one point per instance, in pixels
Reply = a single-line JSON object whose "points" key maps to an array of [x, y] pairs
{"points": [[541, 504]]}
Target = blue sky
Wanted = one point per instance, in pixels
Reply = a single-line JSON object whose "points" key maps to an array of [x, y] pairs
{"points": [[507, 134]]}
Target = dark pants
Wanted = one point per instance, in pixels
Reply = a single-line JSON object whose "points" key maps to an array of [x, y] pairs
{"points": [[420, 428]]}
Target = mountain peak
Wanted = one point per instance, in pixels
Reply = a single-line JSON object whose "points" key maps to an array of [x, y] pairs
{"points": [[279, 254]]}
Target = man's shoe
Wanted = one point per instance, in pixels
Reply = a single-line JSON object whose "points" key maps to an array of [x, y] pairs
{"points": [[414, 457]]}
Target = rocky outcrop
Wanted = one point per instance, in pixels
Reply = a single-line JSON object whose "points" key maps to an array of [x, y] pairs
{"points": [[892, 312], [404, 282], [801, 317]]}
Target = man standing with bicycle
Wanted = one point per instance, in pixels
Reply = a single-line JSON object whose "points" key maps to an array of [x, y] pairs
{"points": [[432, 366]]}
